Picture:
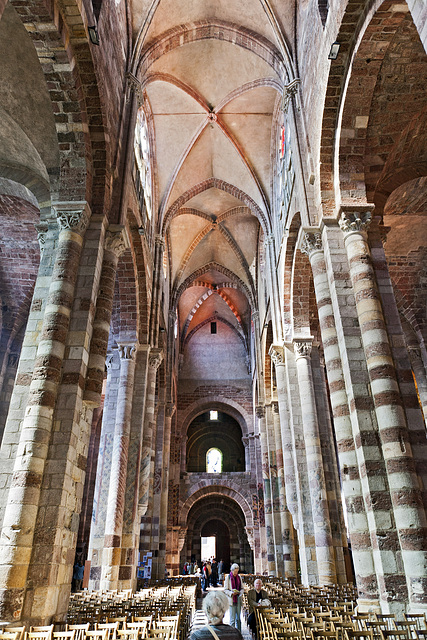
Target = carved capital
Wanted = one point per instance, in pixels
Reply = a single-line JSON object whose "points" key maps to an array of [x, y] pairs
{"points": [[269, 239], [289, 91], [127, 351], [42, 229], [355, 221], [160, 242], [302, 348], [12, 360], [275, 407], [155, 358], [116, 239], [135, 88], [311, 243], [260, 411], [277, 354], [72, 216], [109, 361]]}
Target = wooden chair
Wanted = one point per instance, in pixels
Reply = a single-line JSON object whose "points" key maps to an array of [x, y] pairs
{"points": [[394, 634], [419, 618], [110, 627], [64, 635], [11, 629], [358, 634], [386, 620], [9, 635], [80, 630]]}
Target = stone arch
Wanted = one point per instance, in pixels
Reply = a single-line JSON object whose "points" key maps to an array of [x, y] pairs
{"points": [[214, 183], [287, 272], [177, 293], [201, 30], [344, 119], [235, 410], [223, 489], [141, 259], [83, 150]]}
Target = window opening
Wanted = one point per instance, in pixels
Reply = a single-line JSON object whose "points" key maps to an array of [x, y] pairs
{"points": [[213, 415], [214, 461], [142, 165], [287, 174], [213, 327]]}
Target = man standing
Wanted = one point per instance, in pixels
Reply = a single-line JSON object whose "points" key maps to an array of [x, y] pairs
{"points": [[257, 597]]}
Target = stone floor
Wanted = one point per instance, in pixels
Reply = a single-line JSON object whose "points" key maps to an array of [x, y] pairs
{"points": [[200, 620]]}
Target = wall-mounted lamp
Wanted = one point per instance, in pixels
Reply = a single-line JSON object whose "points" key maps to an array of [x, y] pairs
{"points": [[93, 35], [334, 51], [141, 231]]}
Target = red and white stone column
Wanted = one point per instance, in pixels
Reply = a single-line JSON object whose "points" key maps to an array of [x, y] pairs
{"points": [[352, 487], [22, 509], [111, 562], [404, 513], [318, 494]]}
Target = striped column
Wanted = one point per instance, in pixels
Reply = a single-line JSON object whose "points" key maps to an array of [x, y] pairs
{"points": [[286, 466], [407, 515], [318, 494], [20, 515], [358, 525], [260, 543], [103, 471], [274, 488], [147, 457], [271, 559], [111, 560], [116, 242]]}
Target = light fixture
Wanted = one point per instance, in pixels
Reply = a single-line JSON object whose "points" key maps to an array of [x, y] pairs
{"points": [[334, 51], [93, 35]]}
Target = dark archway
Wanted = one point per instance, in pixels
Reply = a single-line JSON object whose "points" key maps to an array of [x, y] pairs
{"points": [[223, 433], [221, 516]]}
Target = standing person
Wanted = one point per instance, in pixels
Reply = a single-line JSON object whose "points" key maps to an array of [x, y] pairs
{"points": [[257, 597], [221, 571], [215, 605], [214, 574], [78, 573], [233, 588]]}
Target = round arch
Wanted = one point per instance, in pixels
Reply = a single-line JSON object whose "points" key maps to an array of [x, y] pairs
{"points": [[235, 410]]}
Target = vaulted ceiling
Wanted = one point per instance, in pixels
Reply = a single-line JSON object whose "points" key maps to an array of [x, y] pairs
{"points": [[213, 75]]}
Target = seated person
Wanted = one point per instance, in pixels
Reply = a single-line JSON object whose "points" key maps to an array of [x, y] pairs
{"points": [[257, 597]]}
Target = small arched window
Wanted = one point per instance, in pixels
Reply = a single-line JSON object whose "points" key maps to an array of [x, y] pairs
{"points": [[214, 461]]}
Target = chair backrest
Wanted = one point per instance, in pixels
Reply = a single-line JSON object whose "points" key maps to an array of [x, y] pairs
{"points": [[12, 629]]}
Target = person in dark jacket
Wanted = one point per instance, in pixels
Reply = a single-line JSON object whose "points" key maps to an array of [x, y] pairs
{"points": [[257, 597]]}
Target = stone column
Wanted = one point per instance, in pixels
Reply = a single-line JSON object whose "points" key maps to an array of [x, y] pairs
{"points": [[257, 505], [103, 470], [116, 242], [352, 487], [405, 502], [275, 489], [318, 494], [147, 458], [19, 523], [111, 559], [285, 465], [271, 559]]}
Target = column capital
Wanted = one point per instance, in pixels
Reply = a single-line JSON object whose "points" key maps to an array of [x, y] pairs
{"points": [[72, 215], [109, 361], [289, 91], [260, 411], [160, 241], [355, 218], [42, 229], [155, 358], [135, 87], [275, 407], [127, 351], [116, 239], [311, 242], [302, 348], [277, 354], [269, 239]]}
